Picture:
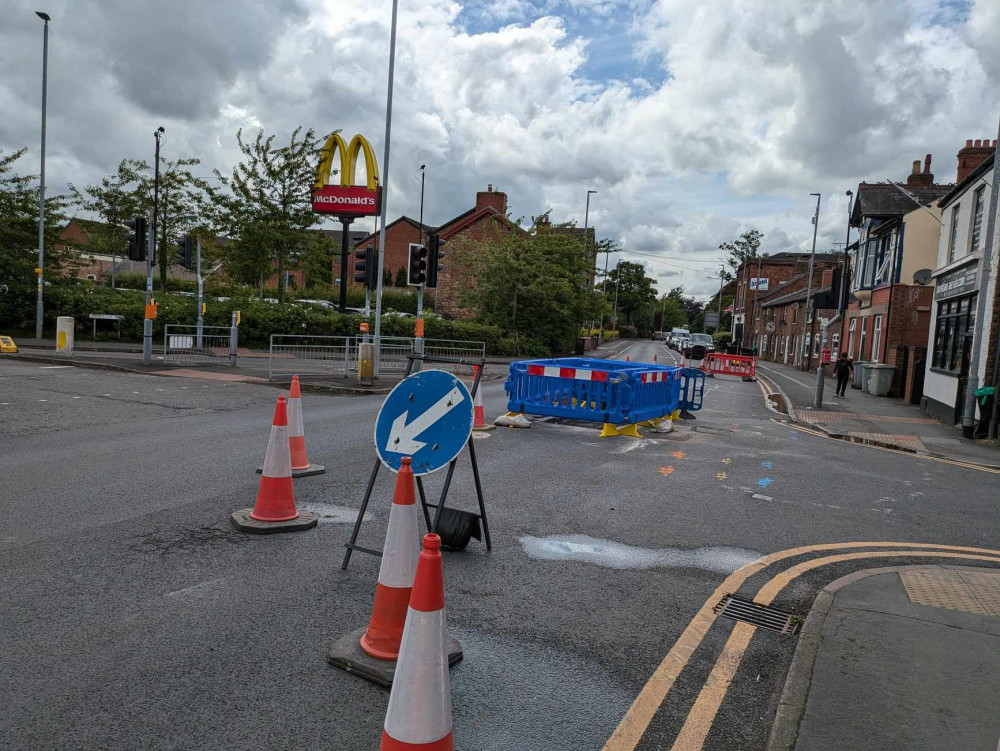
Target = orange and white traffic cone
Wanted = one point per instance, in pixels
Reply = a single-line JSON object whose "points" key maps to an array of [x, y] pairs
{"points": [[395, 575], [297, 437], [274, 509], [480, 414], [628, 358], [655, 361], [419, 713]]}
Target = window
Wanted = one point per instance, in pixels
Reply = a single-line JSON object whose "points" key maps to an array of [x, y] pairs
{"points": [[850, 338], [953, 233], [977, 219], [835, 344], [92, 277], [877, 339], [808, 343], [816, 343], [955, 321]]}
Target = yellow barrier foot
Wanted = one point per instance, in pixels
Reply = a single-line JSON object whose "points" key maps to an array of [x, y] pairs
{"points": [[632, 431], [608, 430]]}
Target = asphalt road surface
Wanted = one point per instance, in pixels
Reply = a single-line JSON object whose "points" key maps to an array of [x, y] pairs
{"points": [[134, 617]]}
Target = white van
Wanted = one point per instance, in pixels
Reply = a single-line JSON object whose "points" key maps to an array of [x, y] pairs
{"points": [[676, 335]]}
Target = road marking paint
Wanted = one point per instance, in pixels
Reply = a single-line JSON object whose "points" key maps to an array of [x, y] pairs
{"points": [[78, 397], [666, 470], [43, 400], [635, 722], [764, 482], [54, 367], [727, 460], [721, 475], [678, 454], [105, 394], [787, 377], [767, 465], [611, 554], [702, 715], [760, 497], [5, 404]]}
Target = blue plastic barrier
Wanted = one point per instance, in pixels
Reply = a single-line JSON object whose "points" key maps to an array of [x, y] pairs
{"points": [[692, 389], [607, 391]]}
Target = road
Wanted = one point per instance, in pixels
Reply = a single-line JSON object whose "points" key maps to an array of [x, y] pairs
{"points": [[135, 617]]}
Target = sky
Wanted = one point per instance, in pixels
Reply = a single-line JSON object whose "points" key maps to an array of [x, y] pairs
{"points": [[694, 120]]}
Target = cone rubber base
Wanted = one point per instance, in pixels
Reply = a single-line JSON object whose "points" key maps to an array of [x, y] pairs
{"points": [[312, 469], [245, 523], [346, 654]]}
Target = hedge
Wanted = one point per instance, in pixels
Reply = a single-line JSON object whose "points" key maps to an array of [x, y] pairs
{"points": [[259, 319]]}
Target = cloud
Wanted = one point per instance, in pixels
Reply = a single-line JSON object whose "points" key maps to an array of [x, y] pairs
{"points": [[738, 114]]}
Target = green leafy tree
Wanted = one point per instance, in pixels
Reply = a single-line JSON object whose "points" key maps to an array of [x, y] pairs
{"points": [[265, 205], [317, 259], [114, 200], [636, 295], [19, 240], [536, 286], [671, 313], [744, 248], [180, 208]]}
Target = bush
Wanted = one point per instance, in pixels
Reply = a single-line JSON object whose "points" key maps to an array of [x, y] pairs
{"points": [[720, 336]]}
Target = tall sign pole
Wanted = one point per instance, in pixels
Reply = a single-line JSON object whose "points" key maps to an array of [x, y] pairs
{"points": [[345, 227], [385, 187], [40, 307], [809, 281]]}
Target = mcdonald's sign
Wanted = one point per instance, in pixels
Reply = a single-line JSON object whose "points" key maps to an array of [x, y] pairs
{"points": [[345, 198]]}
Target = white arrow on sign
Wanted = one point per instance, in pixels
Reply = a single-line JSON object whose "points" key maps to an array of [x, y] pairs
{"points": [[402, 436]]}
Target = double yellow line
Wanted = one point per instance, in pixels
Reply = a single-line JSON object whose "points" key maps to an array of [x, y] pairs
{"points": [[702, 714]]}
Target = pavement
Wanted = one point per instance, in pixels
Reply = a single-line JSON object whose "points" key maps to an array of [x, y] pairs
{"points": [[875, 420], [133, 616]]}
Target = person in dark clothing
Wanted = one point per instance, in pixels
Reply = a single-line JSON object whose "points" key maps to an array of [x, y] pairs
{"points": [[843, 369]]}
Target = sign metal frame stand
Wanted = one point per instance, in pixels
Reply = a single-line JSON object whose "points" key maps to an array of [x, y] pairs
{"points": [[417, 359]]}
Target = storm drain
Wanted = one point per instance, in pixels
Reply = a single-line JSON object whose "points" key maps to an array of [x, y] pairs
{"points": [[747, 611]]}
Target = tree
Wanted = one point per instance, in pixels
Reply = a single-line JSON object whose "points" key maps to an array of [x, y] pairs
{"points": [[636, 295], [745, 248], [692, 307], [400, 278], [180, 207], [19, 239], [671, 313], [317, 259], [534, 285], [265, 205], [118, 197]]}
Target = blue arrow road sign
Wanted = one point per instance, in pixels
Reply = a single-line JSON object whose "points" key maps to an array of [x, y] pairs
{"points": [[428, 417]]}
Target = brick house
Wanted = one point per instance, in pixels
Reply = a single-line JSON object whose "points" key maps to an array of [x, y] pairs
{"points": [[760, 279], [789, 333], [953, 327], [888, 316], [398, 236], [79, 235], [487, 218]]}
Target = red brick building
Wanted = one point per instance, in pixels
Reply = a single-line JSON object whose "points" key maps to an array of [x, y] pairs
{"points": [[488, 218], [789, 333]]}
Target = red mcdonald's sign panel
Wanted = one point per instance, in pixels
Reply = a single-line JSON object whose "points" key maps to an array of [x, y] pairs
{"points": [[345, 200]]}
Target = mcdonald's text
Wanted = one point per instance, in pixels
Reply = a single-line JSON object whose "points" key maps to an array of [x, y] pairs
{"points": [[345, 200]]}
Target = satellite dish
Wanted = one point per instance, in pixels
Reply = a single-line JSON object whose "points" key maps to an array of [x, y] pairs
{"points": [[922, 276]]}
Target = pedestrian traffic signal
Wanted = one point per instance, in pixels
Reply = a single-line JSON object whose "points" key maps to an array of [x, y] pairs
{"points": [[416, 274], [366, 267], [137, 240], [434, 256], [184, 252]]}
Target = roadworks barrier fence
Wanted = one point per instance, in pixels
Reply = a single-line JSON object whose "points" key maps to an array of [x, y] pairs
{"points": [[620, 395]]}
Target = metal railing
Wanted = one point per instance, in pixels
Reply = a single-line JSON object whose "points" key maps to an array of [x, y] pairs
{"points": [[188, 345], [337, 356]]}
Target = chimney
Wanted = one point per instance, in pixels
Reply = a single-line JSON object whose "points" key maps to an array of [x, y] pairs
{"points": [[918, 179], [492, 198], [973, 155], [827, 278]]}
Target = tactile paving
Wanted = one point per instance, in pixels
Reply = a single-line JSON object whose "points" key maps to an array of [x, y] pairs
{"points": [[969, 592]]}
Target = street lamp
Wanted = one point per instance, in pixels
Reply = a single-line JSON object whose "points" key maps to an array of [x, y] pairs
{"points": [[812, 255], [40, 307], [586, 247], [843, 274]]}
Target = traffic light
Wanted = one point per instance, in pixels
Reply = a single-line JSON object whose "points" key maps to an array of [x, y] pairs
{"points": [[366, 267], [416, 274], [138, 239], [434, 256], [184, 252]]}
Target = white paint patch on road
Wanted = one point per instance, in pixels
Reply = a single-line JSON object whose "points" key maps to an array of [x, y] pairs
{"points": [[326, 512], [630, 445], [617, 555], [54, 367]]}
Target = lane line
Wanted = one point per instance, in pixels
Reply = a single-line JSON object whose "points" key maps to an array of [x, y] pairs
{"points": [[636, 720], [787, 377], [702, 715]]}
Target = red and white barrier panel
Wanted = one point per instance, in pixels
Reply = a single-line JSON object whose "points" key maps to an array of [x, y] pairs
{"points": [[579, 374]]}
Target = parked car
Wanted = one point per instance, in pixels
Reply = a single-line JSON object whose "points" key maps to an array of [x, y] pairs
{"points": [[704, 340], [658, 336], [322, 303], [676, 334]]}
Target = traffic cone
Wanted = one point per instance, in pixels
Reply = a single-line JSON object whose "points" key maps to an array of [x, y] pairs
{"points": [[480, 421], [628, 358], [297, 437], [395, 575], [274, 509], [655, 361], [419, 713]]}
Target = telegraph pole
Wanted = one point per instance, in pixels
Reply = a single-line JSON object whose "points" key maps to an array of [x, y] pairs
{"points": [[40, 307]]}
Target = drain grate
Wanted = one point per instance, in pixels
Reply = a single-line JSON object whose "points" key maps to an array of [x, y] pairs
{"points": [[761, 616]]}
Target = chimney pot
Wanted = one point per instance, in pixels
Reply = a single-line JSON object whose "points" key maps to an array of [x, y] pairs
{"points": [[489, 188], [968, 143], [916, 167], [927, 164], [977, 143]]}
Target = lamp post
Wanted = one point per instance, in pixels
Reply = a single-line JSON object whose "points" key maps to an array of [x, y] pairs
{"points": [[618, 278], [40, 307], [586, 245], [385, 191], [847, 241], [147, 323], [809, 280]]}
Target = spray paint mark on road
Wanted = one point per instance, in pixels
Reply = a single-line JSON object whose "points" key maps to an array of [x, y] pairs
{"points": [[767, 465], [727, 460], [721, 475], [611, 554], [666, 470], [764, 482], [678, 454]]}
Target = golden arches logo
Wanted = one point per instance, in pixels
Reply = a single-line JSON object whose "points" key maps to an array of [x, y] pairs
{"points": [[349, 154]]}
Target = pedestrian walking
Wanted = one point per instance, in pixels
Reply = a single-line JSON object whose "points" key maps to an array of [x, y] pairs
{"points": [[843, 369]]}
